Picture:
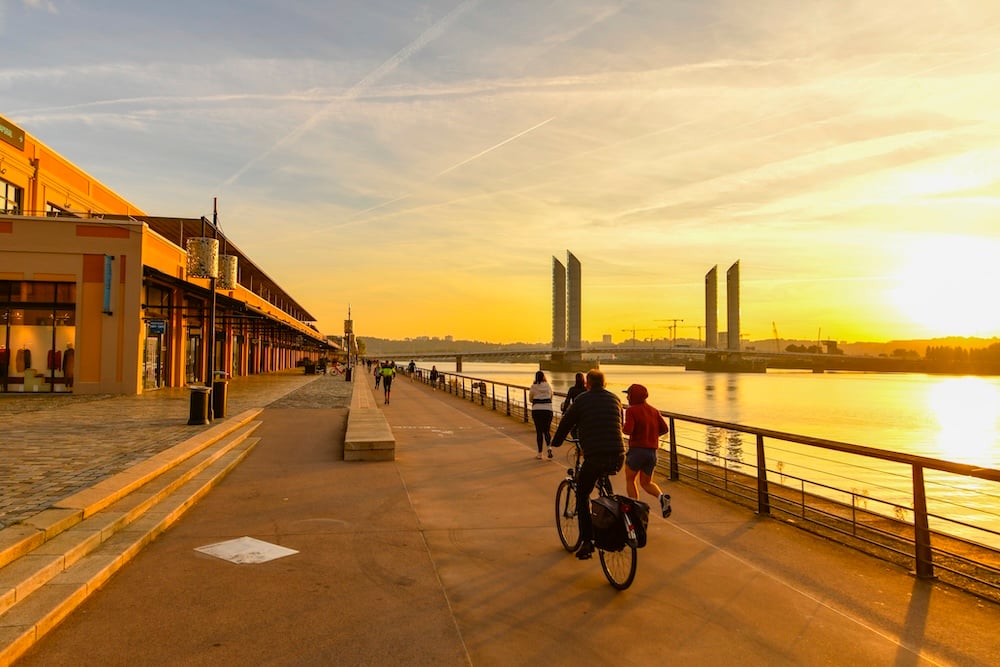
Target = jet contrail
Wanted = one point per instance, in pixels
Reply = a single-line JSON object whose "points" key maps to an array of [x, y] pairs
{"points": [[494, 147], [381, 71]]}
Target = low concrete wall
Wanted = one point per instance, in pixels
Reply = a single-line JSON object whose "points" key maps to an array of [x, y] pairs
{"points": [[369, 436]]}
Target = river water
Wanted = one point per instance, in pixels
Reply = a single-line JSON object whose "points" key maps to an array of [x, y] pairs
{"points": [[943, 417]]}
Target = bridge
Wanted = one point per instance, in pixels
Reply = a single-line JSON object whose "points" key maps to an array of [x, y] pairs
{"points": [[693, 358]]}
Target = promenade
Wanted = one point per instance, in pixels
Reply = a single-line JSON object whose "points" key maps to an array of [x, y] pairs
{"points": [[447, 555]]}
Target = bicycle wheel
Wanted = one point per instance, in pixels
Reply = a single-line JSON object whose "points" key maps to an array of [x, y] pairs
{"points": [[619, 566], [566, 521]]}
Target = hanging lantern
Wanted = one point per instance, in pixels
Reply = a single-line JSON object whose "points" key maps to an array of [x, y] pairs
{"points": [[202, 257], [227, 272]]}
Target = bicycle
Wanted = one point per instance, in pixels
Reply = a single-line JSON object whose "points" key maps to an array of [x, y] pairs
{"points": [[619, 565]]}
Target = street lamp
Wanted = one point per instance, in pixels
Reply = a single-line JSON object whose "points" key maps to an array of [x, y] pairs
{"points": [[203, 262]]}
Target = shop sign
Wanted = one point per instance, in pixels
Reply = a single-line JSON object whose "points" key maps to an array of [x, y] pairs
{"points": [[157, 327], [11, 134]]}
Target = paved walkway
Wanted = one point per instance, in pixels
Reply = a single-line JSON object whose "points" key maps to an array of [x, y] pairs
{"points": [[448, 556], [54, 446]]}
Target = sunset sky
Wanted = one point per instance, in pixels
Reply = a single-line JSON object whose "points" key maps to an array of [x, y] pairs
{"points": [[423, 161]]}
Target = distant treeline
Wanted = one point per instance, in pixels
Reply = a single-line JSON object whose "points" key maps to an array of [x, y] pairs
{"points": [[946, 359]]}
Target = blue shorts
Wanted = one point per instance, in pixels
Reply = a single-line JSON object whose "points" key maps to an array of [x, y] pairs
{"points": [[642, 459]]}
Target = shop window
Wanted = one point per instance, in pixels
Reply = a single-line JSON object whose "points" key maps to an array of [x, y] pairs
{"points": [[37, 336]]}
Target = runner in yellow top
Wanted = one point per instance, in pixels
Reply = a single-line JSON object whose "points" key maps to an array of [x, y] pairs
{"points": [[388, 371]]}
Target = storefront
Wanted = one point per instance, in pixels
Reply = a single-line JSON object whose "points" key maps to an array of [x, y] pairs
{"points": [[97, 297]]}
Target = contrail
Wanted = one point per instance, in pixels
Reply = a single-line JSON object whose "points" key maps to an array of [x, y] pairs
{"points": [[381, 71], [494, 147]]}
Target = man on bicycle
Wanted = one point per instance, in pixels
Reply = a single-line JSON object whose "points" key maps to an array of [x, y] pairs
{"points": [[597, 416]]}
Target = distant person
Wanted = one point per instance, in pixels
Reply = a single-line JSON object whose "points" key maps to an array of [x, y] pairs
{"points": [[377, 373], [597, 413], [644, 425], [388, 371], [434, 377], [411, 369], [574, 391], [540, 396]]}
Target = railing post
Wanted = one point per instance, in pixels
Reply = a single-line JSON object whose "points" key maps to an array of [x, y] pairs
{"points": [[508, 400], [763, 495], [675, 473], [525, 391], [921, 527]]}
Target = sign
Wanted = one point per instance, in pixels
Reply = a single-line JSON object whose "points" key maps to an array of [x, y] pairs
{"points": [[11, 134], [157, 327]]}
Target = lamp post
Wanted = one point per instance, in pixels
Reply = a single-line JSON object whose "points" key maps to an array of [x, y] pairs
{"points": [[203, 262]]}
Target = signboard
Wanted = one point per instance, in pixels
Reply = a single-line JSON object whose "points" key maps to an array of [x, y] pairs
{"points": [[157, 327], [11, 134]]}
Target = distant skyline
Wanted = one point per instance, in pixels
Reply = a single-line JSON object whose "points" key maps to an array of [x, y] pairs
{"points": [[422, 162]]}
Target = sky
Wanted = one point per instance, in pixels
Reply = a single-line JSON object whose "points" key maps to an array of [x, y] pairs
{"points": [[419, 163]]}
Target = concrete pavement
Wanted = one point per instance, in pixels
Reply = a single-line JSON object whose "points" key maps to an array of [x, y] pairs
{"points": [[448, 555]]}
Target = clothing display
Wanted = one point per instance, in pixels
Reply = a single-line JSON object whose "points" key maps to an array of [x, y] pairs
{"points": [[54, 360], [67, 365], [23, 359]]}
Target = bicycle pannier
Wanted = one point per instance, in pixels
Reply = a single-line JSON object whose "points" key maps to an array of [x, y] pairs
{"points": [[609, 527], [638, 514]]}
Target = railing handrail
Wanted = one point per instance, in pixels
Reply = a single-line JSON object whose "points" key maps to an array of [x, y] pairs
{"points": [[943, 465]]}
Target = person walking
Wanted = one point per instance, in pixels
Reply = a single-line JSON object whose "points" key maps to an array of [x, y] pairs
{"points": [[377, 373], [644, 425], [540, 395], [597, 413], [578, 388], [388, 372], [434, 377]]}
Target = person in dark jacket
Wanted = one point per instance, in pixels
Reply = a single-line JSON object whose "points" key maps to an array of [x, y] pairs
{"points": [[597, 415]]}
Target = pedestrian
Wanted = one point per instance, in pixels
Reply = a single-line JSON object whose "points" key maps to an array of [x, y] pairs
{"points": [[540, 395], [644, 425], [574, 391], [598, 415], [434, 377], [378, 373], [388, 372]]}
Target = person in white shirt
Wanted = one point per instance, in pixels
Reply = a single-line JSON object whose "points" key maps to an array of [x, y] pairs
{"points": [[540, 396]]}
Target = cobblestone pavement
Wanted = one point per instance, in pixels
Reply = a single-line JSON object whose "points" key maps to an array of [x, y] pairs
{"points": [[54, 446]]}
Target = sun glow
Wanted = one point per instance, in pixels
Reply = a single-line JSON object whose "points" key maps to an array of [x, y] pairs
{"points": [[968, 412], [948, 286]]}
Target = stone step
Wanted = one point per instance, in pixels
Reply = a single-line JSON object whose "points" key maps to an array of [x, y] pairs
{"points": [[52, 562]]}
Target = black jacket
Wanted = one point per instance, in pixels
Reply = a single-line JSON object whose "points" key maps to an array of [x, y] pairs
{"points": [[597, 414]]}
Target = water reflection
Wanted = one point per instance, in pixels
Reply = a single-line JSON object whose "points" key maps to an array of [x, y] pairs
{"points": [[967, 412], [714, 437]]}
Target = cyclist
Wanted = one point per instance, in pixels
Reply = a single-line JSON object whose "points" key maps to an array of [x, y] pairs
{"points": [[388, 371], [597, 415]]}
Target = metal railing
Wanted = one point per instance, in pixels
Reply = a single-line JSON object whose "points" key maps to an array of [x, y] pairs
{"points": [[912, 510]]}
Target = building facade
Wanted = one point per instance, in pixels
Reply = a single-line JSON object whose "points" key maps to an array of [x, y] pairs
{"points": [[96, 296]]}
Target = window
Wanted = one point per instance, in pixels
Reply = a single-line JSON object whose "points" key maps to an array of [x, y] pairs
{"points": [[13, 197]]}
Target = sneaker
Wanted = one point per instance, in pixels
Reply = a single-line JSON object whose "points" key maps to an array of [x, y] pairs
{"points": [[585, 551], [665, 504], [550, 452], [538, 456]]}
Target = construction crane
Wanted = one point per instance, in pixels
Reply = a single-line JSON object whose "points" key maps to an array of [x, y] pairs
{"points": [[673, 328], [777, 340], [699, 327], [633, 330]]}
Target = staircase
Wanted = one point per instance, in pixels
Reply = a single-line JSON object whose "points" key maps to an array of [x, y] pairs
{"points": [[51, 562]]}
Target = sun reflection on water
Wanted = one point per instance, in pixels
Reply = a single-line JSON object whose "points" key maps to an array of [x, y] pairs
{"points": [[967, 411]]}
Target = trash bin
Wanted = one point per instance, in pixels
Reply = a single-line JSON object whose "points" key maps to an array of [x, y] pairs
{"points": [[199, 405], [219, 396]]}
